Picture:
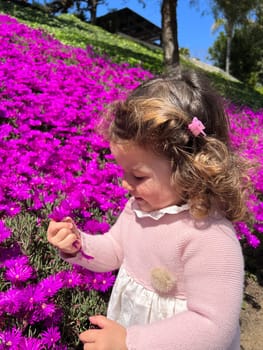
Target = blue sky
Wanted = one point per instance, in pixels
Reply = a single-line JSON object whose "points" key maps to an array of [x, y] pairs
{"points": [[194, 29]]}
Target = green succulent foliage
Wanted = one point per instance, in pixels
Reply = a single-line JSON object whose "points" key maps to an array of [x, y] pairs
{"points": [[77, 305]]}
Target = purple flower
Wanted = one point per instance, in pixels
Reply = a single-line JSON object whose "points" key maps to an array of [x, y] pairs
{"points": [[71, 278], [62, 211], [2, 113], [50, 286], [19, 273], [4, 232], [16, 261], [33, 296], [243, 231], [51, 336], [13, 209], [103, 281], [9, 255], [41, 312], [11, 301], [18, 269], [47, 310], [94, 226], [259, 227], [32, 344], [55, 319], [10, 339]]}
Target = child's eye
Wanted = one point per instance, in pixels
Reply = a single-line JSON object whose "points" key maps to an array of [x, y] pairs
{"points": [[139, 178]]}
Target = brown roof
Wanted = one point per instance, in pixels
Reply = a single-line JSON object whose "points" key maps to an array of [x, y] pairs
{"points": [[129, 22]]}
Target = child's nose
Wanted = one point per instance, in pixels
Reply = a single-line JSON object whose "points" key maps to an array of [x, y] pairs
{"points": [[127, 185]]}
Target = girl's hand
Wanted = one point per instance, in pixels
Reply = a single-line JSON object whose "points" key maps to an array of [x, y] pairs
{"points": [[110, 336], [64, 235]]}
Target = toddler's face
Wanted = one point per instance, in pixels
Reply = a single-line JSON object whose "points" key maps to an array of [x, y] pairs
{"points": [[146, 176]]}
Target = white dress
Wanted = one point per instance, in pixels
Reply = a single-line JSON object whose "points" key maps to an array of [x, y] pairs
{"points": [[131, 303]]}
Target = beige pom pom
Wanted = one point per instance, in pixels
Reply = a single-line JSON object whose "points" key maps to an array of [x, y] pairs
{"points": [[162, 280]]}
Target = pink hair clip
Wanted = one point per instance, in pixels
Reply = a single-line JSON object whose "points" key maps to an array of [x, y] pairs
{"points": [[196, 127]]}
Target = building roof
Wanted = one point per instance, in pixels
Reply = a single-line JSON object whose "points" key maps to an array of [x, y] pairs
{"points": [[131, 23]]}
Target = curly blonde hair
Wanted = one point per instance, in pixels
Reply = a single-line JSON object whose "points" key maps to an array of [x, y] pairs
{"points": [[208, 174]]}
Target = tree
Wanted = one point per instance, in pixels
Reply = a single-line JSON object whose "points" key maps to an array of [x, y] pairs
{"points": [[231, 13], [217, 52], [169, 34], [60, 5], [82, 7], [246, 52], [92, 8]]}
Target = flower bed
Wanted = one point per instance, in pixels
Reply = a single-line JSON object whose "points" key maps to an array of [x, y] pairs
{"points": [[53, 163]]}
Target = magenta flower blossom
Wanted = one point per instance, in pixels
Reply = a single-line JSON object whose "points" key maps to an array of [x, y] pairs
{"points": [[19, 273], [4, 232], [94, 226], [10, 339], [71, 278], [103, 282], [60, 212], [32, 344], [244, 232], [32, 297], [41, 312], [10, 301], [7, 253], [51, 336], [49, 286], [16, 260]]}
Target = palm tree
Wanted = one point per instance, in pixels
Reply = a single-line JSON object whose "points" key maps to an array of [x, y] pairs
{"points": [[230, 14], [81, 5]]}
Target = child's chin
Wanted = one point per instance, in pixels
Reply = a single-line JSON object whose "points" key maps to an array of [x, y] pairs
{"points": [[144, 206]]}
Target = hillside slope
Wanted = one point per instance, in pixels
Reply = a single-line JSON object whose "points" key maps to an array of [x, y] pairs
{"points": [[70, 30]]}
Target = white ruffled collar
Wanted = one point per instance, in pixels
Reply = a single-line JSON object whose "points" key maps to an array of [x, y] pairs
{"points": [[157, 214]]}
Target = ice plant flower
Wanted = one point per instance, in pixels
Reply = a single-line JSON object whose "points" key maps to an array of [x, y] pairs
{"points": [[51, 336], [4, 232], [10, 339], [19, 273]]}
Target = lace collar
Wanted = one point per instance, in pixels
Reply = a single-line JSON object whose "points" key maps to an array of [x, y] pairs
{"points": [[157, 214]]}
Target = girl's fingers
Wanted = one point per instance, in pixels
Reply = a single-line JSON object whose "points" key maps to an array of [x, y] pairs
{"points": [[99, 320], [68, 219], [88, 336], [74, 226], [59, 236], [54, 227], [63, 234], [66, 240]]}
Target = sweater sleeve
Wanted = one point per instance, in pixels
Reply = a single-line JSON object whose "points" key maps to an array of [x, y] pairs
{"points": [[106, 250], [213, 278]]}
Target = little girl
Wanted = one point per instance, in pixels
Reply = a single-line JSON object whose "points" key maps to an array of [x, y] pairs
{"points": [[180, 279]]}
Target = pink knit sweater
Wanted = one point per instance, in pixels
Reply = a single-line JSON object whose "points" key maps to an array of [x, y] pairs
{"points": [[205, 260]]}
